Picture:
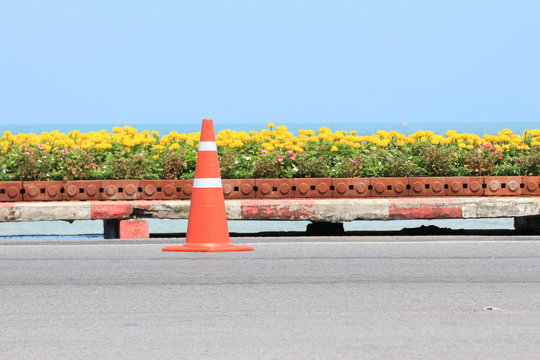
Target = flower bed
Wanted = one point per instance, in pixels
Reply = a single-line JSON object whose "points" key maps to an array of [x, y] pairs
{"points": [[126, 153]]}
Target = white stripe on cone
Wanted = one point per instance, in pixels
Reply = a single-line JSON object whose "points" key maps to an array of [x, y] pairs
{"points": [[207, 146], [207, 183]]}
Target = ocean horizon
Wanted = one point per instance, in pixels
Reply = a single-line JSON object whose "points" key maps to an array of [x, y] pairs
{"points": [[362, 128]]}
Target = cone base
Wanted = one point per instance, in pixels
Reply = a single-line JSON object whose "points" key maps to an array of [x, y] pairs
{"points": [[208, 248]]}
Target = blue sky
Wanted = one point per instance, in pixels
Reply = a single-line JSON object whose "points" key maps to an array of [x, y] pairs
{"points": [[141, 62]]}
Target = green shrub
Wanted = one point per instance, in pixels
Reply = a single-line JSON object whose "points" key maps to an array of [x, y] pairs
{"points": [[529, 164]]}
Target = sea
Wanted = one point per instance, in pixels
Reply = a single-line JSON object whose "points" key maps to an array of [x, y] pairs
{"points": [[362, 128], [93, 229]]}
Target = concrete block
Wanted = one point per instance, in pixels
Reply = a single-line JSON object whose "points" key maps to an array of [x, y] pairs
{"points": [[134, 229], [337, 210]]}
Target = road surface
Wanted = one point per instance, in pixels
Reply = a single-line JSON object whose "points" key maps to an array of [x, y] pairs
{"points": [[291, 298]]}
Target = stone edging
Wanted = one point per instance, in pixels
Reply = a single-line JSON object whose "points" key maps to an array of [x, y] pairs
{"points": [[319, 188]]}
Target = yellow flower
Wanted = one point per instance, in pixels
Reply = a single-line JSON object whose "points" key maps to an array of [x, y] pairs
{"points": [[271, 125], [238, 143], [334, 148], [323, 130], [130, 130]]}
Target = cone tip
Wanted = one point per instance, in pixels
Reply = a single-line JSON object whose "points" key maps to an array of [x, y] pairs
{"points": [[207, 130]]}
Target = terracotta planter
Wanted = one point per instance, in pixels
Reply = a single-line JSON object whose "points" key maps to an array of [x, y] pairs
{"points": [[184, 189], [503, 186], [11, 191], [43, 190], [427, 186], [531, 185], [239, 188], [313, 187], [159, 189], [389, 187], [465, 186], [351, 187], [121, 190], [275, 188], [82, 190]]}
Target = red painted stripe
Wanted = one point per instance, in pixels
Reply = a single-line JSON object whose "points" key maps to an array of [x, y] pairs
{"points": [[110, 210], [264, 210], [425, 212], [146, 204]]}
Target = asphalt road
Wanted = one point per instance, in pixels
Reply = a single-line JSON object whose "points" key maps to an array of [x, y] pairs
{"points": [[291, 298]]}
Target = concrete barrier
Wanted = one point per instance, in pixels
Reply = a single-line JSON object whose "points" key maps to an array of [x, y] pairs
{"points": [[330, 210], [315, 210]]}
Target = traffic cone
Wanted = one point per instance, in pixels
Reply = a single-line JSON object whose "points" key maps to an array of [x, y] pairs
{"points": [[207, 225]]}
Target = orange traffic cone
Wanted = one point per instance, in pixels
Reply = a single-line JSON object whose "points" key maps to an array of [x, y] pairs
{"points": [[207, 225]]}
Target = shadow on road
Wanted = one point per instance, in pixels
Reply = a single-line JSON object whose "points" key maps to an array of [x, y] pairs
{"points": [[338, 231]]}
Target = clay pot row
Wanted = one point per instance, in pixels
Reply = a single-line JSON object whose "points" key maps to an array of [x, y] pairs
{"points": [[272, 188], [401, 186], [95, 190]]}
